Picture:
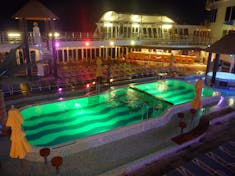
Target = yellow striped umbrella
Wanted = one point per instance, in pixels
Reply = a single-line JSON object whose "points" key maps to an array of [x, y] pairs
{"points": [[19, 144], [197, 101]]}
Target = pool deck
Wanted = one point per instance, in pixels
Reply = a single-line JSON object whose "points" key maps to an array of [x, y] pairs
{"points": [[116, 158]]}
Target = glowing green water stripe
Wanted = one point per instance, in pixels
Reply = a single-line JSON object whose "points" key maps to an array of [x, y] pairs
{"points": [[50, 137], [77, 121], [65, 115]]}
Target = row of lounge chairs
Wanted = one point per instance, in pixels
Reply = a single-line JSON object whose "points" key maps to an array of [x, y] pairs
{"points": [[77, 77], [220, 161]]}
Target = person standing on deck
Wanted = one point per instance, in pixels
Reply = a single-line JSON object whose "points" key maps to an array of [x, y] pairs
{"points": [[36, 34]]}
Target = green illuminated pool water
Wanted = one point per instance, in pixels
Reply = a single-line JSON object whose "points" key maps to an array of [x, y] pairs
{"points": [[173, 91], [63, 121]]}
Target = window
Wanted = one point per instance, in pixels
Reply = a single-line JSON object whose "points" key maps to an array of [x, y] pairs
{"points": [[60, 55], [144, 31], [79, 54], [93, 53], [149, 32], [88, 53], [102, 52], [233, 13], [112, 53], [129, 32], [159, 32], [154, 32], [212, 15], [230, 15], [186, 31], [227, 15], [97, 52]]}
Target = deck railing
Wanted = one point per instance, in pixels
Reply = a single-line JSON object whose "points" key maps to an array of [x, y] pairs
{"points": [[17, 38]]}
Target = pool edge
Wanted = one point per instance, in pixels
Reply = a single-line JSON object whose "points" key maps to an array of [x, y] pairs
{"points": [[116, 134]]}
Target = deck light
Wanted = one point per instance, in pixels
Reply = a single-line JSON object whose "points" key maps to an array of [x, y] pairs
{"points": [[13, 34], [60, 90], [231, 101], [166, 26], [135, 25], [132, 42], [87, 43], [57, 44], [56, 34], [108, 24], [111, 43], [135, 18]]}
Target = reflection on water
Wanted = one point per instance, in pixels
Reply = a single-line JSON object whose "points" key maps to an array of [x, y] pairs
{"points": [[58, 122]]}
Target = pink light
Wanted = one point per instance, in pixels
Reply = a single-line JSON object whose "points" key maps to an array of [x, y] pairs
{"points": [[220, 101], [87, 44], [59, 90], [60, 99], [57, 44], [88, 85]]}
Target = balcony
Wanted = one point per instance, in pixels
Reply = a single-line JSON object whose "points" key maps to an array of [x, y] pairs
{"points": [[78, 37]]}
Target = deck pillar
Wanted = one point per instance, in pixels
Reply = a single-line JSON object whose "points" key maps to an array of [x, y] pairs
{"points": [[215, 68], [208, 64]]}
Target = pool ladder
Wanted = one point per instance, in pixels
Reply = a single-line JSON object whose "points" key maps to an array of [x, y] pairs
{"points": [[157, 107], [145, 106]]}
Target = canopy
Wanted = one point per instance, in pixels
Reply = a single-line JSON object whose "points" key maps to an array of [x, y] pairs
{"points": [[112, 16], [19, 144], [34, 10], [224, 46]]}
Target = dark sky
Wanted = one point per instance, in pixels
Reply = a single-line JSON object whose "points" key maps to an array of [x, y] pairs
{"points": [[81, 15]]}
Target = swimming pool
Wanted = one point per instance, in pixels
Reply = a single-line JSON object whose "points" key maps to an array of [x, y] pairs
{"points": [[64, 121], [223, 79], [223, 76]]}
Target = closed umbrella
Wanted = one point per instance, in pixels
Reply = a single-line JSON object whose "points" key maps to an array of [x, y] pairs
{"points": [[171, 61], [197, 101], [99, 74], [99, 71], [19, 144]]}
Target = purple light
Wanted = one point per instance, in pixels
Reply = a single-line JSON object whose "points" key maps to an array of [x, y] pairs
{"points": [[59, 90], [60, 99], [57, 44], [220, 101]]}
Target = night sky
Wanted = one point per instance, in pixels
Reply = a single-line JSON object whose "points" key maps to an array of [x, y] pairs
{"points": [[81, 15]]}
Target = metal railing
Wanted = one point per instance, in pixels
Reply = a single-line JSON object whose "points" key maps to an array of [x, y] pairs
{"points": [[17, 38]]}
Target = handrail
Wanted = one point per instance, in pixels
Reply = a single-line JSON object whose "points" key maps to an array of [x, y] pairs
{"points": [[190, 39]]}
